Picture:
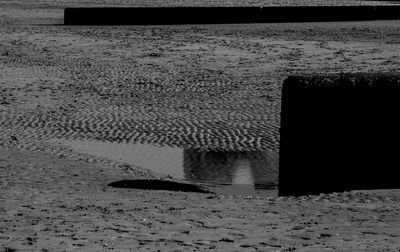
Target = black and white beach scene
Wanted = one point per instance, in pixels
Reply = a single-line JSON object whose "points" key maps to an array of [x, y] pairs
{"points": [[215, 125]]}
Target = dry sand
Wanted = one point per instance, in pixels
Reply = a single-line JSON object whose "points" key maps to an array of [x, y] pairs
{"points": [[208, 86]]}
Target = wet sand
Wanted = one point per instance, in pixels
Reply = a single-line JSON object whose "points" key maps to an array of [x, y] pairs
{"points": [[55, 204], [204, 86]]}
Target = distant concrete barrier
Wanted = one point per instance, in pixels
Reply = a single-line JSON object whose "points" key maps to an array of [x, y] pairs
{"points": [[339, 133], [221, 15]]}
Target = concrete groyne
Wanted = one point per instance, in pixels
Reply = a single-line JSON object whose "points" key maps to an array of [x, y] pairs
{"points": [[225, 15], [339, 133]]}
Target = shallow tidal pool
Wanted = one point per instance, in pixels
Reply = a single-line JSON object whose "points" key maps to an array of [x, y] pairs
{"points": [[228, 172]]}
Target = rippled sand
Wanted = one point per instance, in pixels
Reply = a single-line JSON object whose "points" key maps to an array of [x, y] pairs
{"points": [[209, 87]]}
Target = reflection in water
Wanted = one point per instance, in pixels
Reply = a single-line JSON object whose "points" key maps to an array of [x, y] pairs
{"points": [[239, 172], [253, 167]]}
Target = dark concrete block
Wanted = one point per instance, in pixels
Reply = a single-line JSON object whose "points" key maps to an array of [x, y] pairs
{"points": [[221, 15], [339, 132]]}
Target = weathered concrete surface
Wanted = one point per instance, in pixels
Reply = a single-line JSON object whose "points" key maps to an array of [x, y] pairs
{"points": [[339, 132], [218, 15]]}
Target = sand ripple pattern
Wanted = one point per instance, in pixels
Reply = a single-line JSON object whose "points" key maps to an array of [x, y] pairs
{"points": [[209, 88], [229, 132]]}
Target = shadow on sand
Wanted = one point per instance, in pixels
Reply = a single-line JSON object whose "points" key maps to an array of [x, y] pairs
{"points": [[158, 185]]}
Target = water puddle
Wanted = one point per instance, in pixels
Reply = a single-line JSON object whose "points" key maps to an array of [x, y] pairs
{"points": [[237, 173]]}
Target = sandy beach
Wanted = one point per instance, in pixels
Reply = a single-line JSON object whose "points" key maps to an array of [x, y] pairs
{"points": [[209, 87]]}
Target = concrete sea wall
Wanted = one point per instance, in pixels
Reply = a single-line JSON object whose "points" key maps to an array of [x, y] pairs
{"points": [[339, 132], [220, 15]]}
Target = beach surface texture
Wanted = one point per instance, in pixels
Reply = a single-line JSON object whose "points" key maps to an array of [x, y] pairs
{"points": [[208, 87]]}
